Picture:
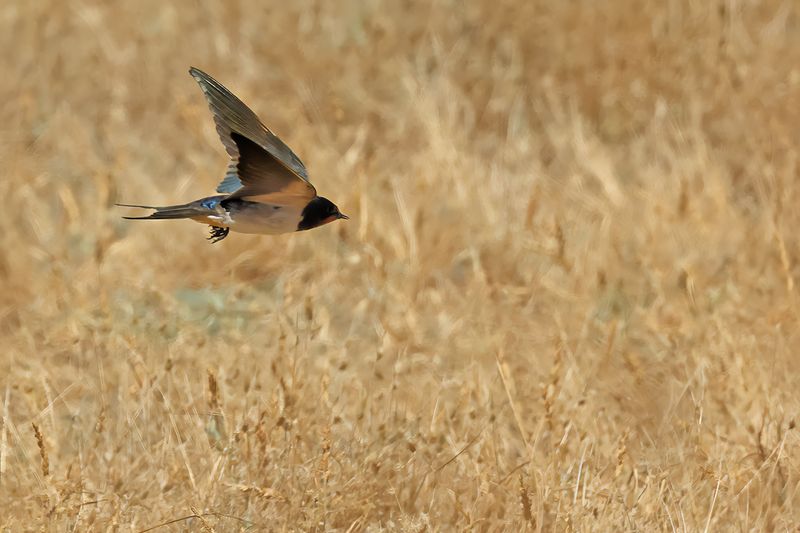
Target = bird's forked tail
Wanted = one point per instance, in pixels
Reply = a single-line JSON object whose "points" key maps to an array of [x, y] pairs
{"points": [[190, 210]]}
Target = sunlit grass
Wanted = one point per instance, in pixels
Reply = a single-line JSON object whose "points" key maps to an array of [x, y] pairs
{"points": [[565, 299]]}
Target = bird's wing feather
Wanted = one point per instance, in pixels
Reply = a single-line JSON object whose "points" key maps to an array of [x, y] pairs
{"points": [[231, 116], [264, 179], [231, 182]]}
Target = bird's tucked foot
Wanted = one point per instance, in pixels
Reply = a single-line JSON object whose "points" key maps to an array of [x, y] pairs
{"points": [[217, 234]]}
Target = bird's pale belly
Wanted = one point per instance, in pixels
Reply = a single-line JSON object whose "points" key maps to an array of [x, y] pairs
{"points": [[257, 218]]}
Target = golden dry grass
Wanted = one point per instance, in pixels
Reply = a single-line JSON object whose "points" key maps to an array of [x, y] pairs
{"points": [[566, 300]]}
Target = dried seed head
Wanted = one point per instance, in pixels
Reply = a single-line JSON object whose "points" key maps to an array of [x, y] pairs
{"points": [[42, 450]]}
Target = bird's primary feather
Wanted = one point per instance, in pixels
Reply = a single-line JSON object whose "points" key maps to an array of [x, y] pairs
{"points": [[231, 116]]}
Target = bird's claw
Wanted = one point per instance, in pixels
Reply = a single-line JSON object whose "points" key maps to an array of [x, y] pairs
{"points": [[217, 234]]}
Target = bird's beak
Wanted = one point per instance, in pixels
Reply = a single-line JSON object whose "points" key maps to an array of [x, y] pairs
{"points": [[343, 216]]}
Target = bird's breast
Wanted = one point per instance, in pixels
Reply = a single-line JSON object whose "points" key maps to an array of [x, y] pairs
{"points": [[257, 217]]}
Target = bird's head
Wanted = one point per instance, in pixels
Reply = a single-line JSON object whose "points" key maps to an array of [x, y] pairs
{"points": [[319, 211]]}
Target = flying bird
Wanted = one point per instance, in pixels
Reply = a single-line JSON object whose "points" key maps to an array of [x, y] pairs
{"points": [[265, 190]]}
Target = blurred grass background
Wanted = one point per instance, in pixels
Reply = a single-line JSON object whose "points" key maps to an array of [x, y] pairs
{"points": [[565, 301]]}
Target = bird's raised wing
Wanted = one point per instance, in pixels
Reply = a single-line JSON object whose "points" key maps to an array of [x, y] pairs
{"points": [[264, 179], [232, 116]]}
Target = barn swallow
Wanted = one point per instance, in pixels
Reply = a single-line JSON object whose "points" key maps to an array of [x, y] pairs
{"points": [[266, 188]]}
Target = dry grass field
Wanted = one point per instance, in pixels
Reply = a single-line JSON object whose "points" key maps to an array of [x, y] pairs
{"points": [[566, 299]]}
